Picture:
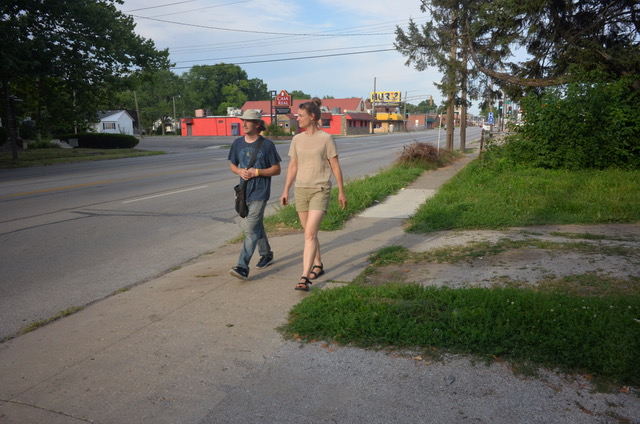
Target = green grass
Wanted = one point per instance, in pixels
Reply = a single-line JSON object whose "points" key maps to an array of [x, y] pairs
{"points": [[35, 157], [361, 194], [492, 196], [582, 323], [598, 335]]}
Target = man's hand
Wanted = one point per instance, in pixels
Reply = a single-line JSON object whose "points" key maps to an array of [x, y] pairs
{"points": [[247, 174]]}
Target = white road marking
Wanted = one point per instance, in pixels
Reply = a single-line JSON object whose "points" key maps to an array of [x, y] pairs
{"points": [[164, 194]]}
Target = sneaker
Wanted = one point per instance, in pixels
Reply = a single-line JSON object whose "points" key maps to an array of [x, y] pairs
{"points": [[265, 261], [239, 272]]}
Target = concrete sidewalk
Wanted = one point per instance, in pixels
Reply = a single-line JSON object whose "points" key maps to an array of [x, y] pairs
{"points": [[199, 346]]}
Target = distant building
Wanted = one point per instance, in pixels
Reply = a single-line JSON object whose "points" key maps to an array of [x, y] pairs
{"points": [[422, 121], [339, 117], [114, 122]]}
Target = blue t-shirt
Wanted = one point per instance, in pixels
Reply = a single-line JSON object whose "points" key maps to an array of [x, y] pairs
{"points": [[240, 155]]}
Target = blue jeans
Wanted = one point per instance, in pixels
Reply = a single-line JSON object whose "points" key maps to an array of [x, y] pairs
{"points": [[254, 234]]}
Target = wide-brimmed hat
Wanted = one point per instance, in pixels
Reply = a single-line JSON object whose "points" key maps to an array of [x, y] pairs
{"points": [[251, 115]]}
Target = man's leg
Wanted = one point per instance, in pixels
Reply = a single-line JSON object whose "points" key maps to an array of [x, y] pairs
{"points": [[254, 234]]}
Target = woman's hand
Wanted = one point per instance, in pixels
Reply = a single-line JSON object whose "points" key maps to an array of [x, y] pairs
{"points": [[342, 200], [284, 199]]}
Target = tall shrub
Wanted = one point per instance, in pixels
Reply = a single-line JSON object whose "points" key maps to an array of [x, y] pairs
{"points": [[581, 126]]}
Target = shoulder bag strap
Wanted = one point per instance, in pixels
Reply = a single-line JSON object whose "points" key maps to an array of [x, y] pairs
{"points": [[255, 151], [254, 156]]}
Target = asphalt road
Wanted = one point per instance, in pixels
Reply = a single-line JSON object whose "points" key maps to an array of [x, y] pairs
{"points": [[72, 234]]}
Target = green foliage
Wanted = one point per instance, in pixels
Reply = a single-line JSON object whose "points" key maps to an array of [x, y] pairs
{"points": [[367, 191], [157, 92], [102, 141], [563, 39], [28, 130], [598, 335], [361, 194], [494, 193], [43, 144], [219, 86], [274, 130], [299, 95], [581, 126], [60, 57], [423, 107]]}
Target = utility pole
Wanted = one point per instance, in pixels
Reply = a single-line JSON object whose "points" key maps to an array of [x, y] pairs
{"points": [[404, 112], [140, 128], [373, 107], [11, 123], [175, 118]]}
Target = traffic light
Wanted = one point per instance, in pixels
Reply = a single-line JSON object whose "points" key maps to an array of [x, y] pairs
{"points": [[500, 107], [430, 100]]}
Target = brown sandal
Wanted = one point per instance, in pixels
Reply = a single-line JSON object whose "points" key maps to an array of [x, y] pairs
{"points": [[303, 284], [313, 275]]}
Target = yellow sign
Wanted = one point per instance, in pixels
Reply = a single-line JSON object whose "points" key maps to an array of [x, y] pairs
{"points": [[386, 97]]}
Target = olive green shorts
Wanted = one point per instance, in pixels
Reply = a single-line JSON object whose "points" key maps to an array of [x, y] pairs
{"points": [[312, 198]]}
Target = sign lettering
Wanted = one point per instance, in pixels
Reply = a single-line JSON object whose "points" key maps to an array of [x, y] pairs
{"points": [[388, 97], [283, 99]]}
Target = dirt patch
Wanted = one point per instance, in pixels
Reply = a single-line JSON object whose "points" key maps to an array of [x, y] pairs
{"points": [[608, 251]]}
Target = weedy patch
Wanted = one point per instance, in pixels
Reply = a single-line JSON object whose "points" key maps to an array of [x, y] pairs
{"points": [[37, 324]]}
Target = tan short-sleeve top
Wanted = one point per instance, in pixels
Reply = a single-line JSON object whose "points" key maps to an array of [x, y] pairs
{"points": [[312, 152]]}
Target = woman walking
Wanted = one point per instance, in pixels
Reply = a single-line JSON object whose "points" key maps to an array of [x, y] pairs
{"points": [[314, 157]]}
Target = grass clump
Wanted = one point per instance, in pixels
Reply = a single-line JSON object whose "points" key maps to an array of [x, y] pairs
{"points": [[597, 335], [37, 324]]}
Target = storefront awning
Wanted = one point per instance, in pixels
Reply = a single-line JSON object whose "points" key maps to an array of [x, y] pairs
{"points": [[359, 116]]}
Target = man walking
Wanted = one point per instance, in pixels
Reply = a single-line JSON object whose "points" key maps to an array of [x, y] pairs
{"points": [[257, 191]]}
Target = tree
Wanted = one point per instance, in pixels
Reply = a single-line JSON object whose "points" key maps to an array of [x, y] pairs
{"points": [[299, 95], [258, 90], [68, 50], [437, 44], [220, 86], [563, 40], [424, 106], [156, 92]]}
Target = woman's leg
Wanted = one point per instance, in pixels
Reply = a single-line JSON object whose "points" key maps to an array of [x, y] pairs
{"points": [[310, 221]]}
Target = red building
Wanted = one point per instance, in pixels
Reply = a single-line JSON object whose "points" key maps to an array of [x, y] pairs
{"points": [[417, 122], [339, 117]]}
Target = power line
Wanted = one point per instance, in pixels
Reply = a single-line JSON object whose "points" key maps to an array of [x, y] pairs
{"points": [[298, 58], [265, 41], [318, 34], [160, 5], [281, 53], [201, 8]]}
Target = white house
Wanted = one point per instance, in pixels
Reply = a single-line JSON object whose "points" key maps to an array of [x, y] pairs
{"points": [[114, 122]]}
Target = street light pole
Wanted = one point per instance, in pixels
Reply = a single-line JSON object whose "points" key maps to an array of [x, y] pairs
{"points": [[273, 93]]}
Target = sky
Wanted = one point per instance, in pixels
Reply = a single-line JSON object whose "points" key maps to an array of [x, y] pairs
{"points": [[339, 48]]}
